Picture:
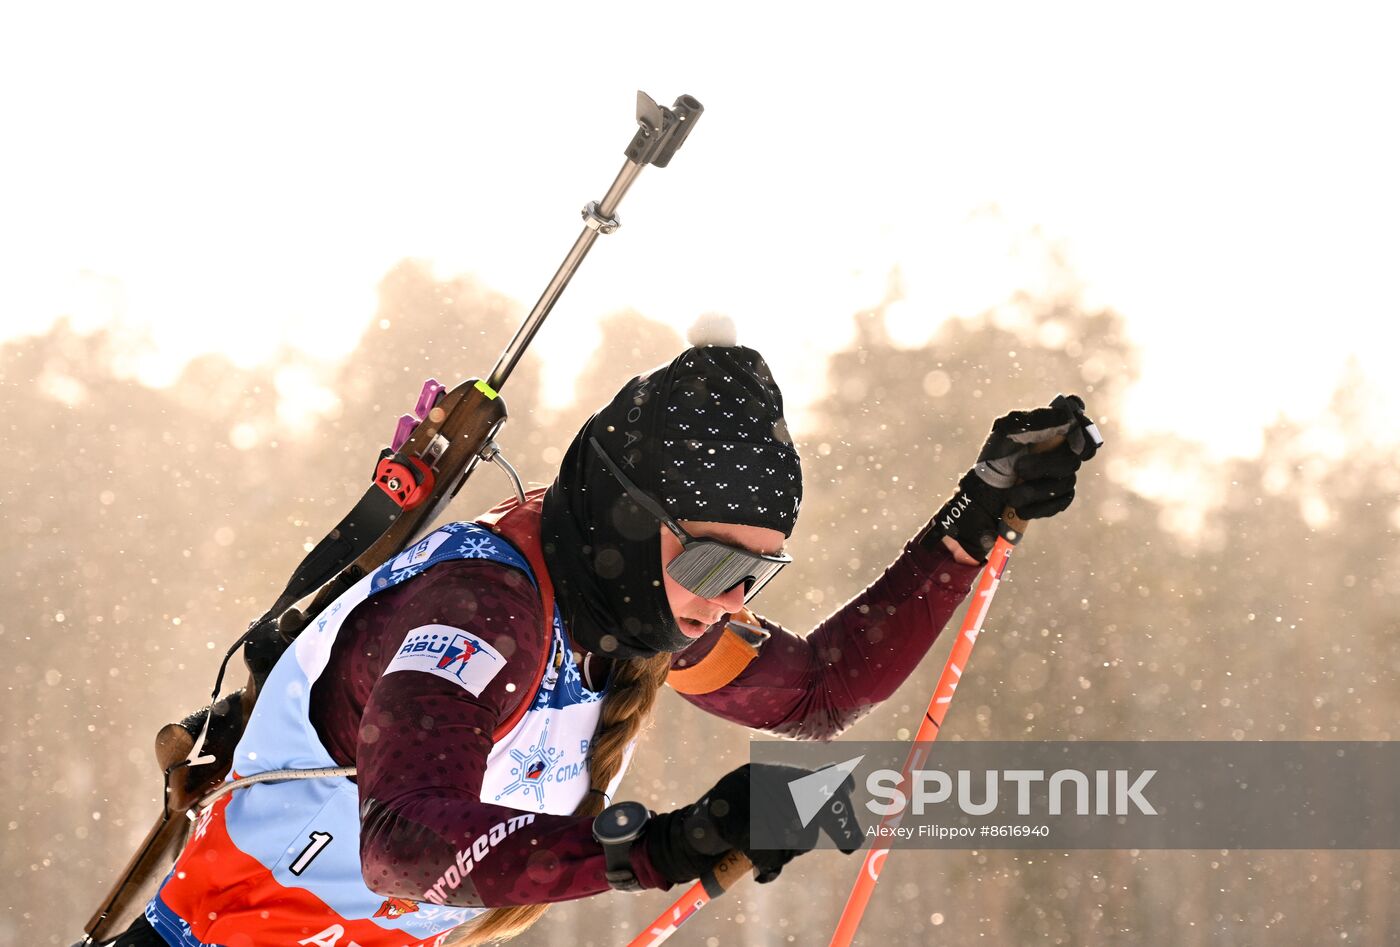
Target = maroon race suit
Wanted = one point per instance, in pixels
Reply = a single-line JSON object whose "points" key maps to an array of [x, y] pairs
{"points": [[421, 744]]}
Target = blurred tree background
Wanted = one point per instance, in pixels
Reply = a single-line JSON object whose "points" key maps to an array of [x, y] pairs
{"points": [[147, 526]]}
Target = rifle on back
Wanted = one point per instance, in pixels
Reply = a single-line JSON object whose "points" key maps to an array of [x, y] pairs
{"points": [[433, 452]]}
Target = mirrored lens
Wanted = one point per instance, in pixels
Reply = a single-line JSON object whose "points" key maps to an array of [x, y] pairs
{"points": [[710, 569]]}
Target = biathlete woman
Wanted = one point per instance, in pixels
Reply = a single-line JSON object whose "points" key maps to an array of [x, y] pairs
{"points": [[490, 682]]}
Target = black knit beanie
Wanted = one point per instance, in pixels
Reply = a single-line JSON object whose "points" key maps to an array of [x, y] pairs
{"points": [[705, 437]]}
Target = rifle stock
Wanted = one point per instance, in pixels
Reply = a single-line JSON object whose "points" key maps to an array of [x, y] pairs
{"points": [[138, 879], [467, 418]]}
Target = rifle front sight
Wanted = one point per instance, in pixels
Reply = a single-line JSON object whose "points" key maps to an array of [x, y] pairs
{"points": [[662, 130]]}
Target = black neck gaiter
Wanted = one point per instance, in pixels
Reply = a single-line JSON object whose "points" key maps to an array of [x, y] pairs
{"points": [[603, 550]]}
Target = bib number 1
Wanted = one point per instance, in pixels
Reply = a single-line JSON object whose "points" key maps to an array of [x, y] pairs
{"points": [[319, 840]]}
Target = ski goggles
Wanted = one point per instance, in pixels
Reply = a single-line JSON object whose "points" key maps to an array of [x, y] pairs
{"points": [[707, 567]]}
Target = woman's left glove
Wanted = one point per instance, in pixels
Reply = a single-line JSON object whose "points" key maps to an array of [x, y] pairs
{"points": [[1010, 474], [684, 844]]}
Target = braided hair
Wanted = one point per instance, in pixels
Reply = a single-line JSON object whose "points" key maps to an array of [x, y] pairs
{"points": [[625, 713]]}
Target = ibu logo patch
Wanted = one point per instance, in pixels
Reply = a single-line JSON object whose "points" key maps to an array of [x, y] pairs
{"points": [[449, 653], [419, 552]]}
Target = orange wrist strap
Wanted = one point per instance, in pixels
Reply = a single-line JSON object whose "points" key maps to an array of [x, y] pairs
{"points": [[737, 646]]}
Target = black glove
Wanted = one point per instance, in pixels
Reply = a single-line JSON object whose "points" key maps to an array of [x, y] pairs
{"points": [[1007, 474], [688, 842]]}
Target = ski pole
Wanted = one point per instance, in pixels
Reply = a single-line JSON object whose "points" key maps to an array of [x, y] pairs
{"points": [[733, 868], [929, 727], [1013, 528], [718, 880], [735, 865]]}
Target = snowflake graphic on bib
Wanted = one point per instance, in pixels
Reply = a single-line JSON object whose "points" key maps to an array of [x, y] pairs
{"points": [[532, 767]]}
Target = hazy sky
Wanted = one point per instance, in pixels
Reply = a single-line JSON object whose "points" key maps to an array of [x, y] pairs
{"points": [[235, 177]]}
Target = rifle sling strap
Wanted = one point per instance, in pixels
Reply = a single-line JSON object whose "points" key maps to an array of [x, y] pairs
{"points": [[519, 523], [362, 526]]}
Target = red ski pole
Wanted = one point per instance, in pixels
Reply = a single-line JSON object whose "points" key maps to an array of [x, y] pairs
{"points": [[928, 728], [735, 865], [721, 878]]}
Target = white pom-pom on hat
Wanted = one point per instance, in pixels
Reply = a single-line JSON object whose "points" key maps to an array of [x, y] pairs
{"points": [[713, 328]]}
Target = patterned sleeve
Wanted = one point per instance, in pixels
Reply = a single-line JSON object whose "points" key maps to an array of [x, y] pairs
{"points": [[421, 737], [813, 687]]}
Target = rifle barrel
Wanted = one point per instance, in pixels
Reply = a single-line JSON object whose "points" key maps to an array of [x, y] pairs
{"points": [[526, 333]]}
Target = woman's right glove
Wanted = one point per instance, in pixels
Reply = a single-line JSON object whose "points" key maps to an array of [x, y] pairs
{"points": [[683, 845]]}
